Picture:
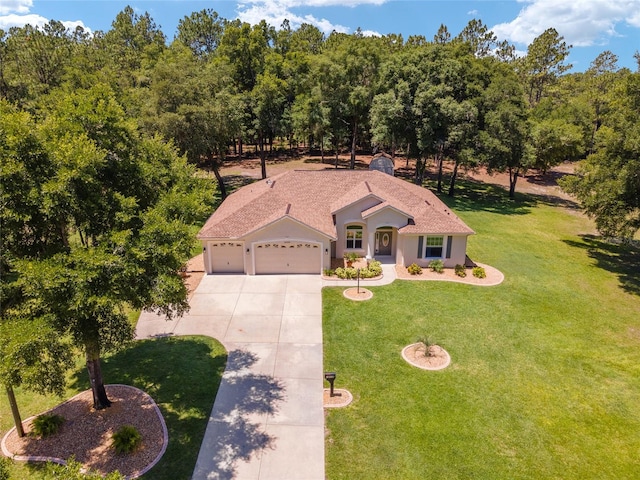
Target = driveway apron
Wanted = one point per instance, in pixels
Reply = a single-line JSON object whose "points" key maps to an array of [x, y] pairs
{"points": [[267, 421]]}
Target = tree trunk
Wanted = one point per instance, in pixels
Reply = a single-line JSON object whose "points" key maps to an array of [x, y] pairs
{"points": [[322, 148], [419, 177], [407, 154], [513, 178], [100, 400], [452, 183], [263, 160], [240, 147], [336, 153], [352, 165], [216, 172], [14, 410], [440, 163]]}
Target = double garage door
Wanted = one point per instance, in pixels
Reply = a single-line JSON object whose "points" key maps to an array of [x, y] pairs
{"points": [[287, 257]]}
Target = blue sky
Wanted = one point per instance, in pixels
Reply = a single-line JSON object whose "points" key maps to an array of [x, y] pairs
{"points": [[591, 26]]}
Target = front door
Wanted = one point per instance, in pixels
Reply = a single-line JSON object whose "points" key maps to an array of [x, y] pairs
{"points": [[383, 242]]}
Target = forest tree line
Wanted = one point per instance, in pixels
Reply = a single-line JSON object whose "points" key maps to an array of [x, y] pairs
{"points": [[221, 84]]}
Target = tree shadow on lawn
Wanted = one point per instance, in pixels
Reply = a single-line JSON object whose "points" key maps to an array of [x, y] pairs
{"points": [[474, 195], [184, 379], [182, 375], [623, 260]]}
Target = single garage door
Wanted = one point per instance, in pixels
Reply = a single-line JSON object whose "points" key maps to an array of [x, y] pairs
{"points": [[227, 257], [287, 257]]}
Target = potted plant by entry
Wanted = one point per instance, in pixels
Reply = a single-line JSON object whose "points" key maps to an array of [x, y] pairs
{"points": [[350, 257]]}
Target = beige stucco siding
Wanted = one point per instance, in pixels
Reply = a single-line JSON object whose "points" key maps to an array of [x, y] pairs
{"points": [[287, 230], [410, 249], [352, 215], [223, 256]]}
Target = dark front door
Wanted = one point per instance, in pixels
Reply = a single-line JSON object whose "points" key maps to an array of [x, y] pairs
{"points": [[383, 242]]}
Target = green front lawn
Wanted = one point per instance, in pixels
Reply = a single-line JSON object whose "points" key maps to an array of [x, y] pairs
{"points": [[545, 374], [181, 374]]}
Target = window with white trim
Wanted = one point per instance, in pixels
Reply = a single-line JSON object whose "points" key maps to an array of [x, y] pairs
{"points": [[433, 247], [354, 236]]}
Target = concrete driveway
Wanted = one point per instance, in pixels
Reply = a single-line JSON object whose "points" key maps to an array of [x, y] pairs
{"points": [[267, 420]]}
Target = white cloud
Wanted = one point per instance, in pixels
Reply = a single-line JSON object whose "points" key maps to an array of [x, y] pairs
{"points": [[313, 3], [473, 13], [581, 22], [274, 12], [13, 20], [15, 13], [15, 6]]}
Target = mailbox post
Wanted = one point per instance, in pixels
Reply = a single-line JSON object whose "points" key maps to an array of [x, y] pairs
{"points": [[330, 377]]}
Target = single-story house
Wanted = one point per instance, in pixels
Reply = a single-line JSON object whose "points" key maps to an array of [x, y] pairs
{"points": [[296, 222]]}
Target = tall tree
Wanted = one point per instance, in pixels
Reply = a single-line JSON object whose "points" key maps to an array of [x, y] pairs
{"points": [[480, 39], [543, 63], [201, 32], [601, 76], [555, 141], [607, 182], [504, 138], [196, 106], [34, 59], [128, 201], [310, 117]]}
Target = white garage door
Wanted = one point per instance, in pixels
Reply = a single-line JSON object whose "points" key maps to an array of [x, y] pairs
{"points": [[227, 257], [287, 257]]}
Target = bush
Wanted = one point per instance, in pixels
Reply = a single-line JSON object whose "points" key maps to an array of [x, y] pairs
{"points": [[327, 272], [350, 256], [460, 270], [414, 269], [349, 273], [436, 266], [45, 424], [375, 267], [479, 272], [127, 439], [346, 273]]}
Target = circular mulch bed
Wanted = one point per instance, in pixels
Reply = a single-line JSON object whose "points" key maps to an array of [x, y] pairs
{"points": [[358, 294], [341, 398], [415, 355], [86, 433]]}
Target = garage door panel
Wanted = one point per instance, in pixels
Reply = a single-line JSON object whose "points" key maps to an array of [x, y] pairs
{"points": [[287, 258], [227, 257]]}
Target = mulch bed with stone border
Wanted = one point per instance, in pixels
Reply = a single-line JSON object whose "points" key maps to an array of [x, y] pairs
{"points": [[86, 433], [416, 355], [341, 398], [358, 294]]}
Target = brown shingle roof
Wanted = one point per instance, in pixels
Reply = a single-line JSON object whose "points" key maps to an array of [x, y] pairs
{"points": [[312, 197]]}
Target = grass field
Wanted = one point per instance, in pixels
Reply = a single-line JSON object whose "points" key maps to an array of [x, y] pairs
{"points": [[181, 374], [545, 374]]}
